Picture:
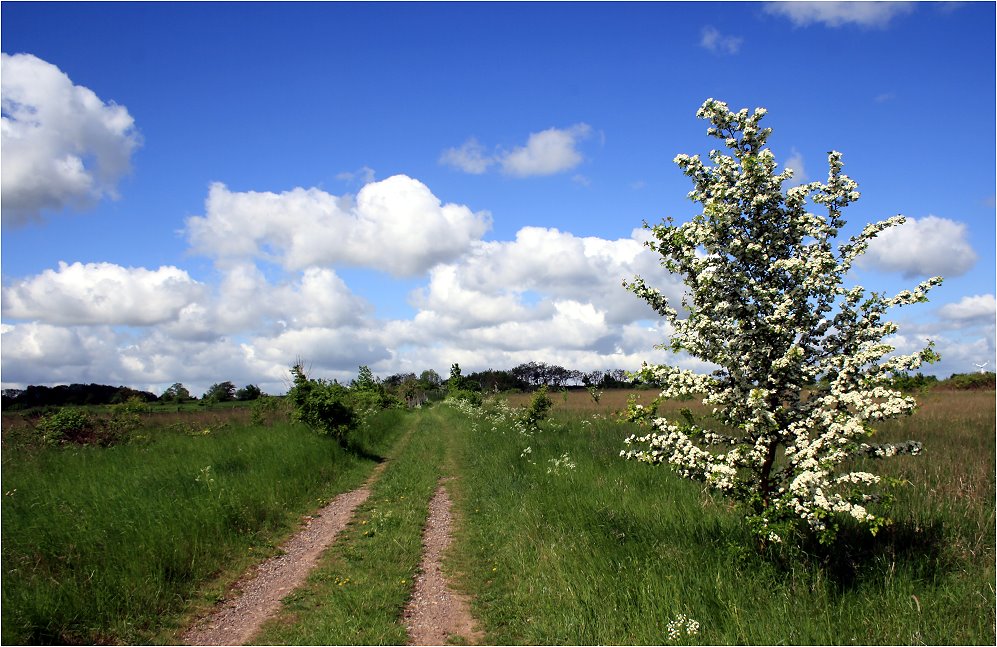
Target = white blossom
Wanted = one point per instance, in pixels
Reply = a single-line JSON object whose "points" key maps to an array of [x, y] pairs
{"points": [[766, 304]]}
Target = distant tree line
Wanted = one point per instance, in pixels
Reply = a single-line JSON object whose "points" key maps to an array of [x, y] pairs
{"points": [[529, 376], [71, 395], [410, 388], [79, 395]]}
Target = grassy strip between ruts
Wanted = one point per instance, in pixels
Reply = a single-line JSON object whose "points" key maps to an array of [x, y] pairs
{"points": [[359, 590], [121, 544], [566, 543]]}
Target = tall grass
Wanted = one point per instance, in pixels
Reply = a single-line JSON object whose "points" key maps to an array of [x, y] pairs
{"points": [[611, 551], [114, 544]]}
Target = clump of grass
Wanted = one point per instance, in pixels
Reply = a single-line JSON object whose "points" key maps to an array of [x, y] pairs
{"points": [[113, 544]]}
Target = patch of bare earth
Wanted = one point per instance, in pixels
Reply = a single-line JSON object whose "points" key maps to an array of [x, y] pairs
{"points": [[259, 594], [436, 613]]}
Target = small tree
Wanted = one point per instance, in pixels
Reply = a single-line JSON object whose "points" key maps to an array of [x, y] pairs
{"points": [[176, 393], [365, 380], [458, 387], [368, 395], [248, 392], [430, 378], [537, 411], [221, 392], [765, 304], [322, 405], [456, 381]]}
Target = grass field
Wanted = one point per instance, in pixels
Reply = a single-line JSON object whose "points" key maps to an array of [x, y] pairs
{"points": [[117, 544], [558, 540], [611, 552]]}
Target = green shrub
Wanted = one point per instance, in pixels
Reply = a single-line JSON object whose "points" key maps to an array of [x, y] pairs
{"points": [[367, 401], [268, 409], [471, 397], [75, 426], [69, 425], [322, 405], [970, 381], [539, 408], [911, 383]]}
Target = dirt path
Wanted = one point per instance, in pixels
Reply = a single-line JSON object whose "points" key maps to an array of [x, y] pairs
{"points": [[239, 618], [435, 612]]}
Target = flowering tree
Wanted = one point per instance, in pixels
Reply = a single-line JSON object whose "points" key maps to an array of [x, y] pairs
{"points": [[765, 304]]}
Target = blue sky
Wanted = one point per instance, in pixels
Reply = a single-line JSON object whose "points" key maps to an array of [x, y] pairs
{"points": [[205, 192]]}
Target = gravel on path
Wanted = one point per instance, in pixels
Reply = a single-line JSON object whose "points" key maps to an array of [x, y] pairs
{"points": [[436, 612], [259, 595]]}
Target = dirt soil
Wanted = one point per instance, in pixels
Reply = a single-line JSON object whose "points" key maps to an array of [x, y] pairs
{"points": [[436, 614], [258, 595]]}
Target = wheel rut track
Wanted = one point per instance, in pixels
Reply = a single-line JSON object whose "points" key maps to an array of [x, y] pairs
{"points": [[259, 596], [435, 613]]}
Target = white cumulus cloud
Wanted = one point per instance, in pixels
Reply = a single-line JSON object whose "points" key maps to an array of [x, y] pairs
{"points": [[446, 294], [43, 345], [836, 14], [547, 152], [101, 293], [547, 295], [396, 225], [976, 309], [342, 349], [62, 145], [561, 266], [929, 246], [246, 302]]}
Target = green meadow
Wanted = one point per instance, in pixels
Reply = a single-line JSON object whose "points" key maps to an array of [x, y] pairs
{"points": [[558, 540], [611, 552], [121, 544]]}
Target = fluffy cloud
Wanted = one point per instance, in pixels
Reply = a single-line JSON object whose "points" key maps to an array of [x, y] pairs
{"points": [[446, 294], [625, 348], [36, 353], [571, 326], [929, 246], [547, 152], [977, 309], [470, 157], [563, 266], [836, 14], [396, 225], [62, 146], [326, 349], [102, 293], [718, 43], [45, 348], [246, 302], [547, 295]]}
